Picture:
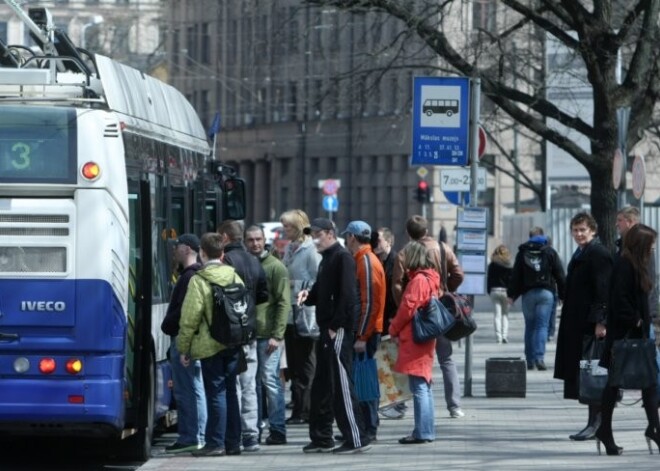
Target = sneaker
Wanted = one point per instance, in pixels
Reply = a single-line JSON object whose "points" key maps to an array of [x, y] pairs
{"points": [[234, 451], [391, 413], [505, 341], [540, 365], [182, 447], [314, 448], [209, 451], [347, 449], [250, 445], [275, 439], [456, 413]]}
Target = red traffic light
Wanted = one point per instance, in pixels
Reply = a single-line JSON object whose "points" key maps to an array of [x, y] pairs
{"points": [[423, 193]]}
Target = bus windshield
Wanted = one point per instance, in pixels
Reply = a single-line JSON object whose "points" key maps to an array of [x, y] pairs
{"points": [[37, 144]]}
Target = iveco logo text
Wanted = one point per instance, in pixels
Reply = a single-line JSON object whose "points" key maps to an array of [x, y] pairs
{"points": [[43, 306]]}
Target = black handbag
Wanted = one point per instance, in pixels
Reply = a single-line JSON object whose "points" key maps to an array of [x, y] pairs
{"points": [[430, 321], [460, 307], [633, 364], [593, 378]]}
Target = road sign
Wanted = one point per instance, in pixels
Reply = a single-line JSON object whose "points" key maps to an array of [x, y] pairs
{"points": [[638, 176], [483, 139], [330, 203], [458, 198], [422, 172], [330, 185], [458, 179], [441, 112]]}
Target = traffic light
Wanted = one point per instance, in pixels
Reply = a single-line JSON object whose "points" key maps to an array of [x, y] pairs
{"points": [[423, 194]]}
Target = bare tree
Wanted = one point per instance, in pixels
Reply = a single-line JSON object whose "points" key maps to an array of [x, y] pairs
{"points": [[599, 32]]}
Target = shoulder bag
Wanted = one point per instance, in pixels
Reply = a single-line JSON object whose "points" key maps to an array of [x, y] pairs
{"points": [[457, 304], [633, 364], [593, 378], [431, 320]]}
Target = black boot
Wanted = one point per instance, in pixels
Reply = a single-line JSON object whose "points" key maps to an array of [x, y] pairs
{"points": [[604, 432], [652, 433], [589, 432]]}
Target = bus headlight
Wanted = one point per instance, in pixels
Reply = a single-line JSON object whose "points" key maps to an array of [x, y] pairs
{"points": [[21, 365]]}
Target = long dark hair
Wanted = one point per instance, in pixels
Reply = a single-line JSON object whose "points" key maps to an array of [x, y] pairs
{"points": [[637, 249]]}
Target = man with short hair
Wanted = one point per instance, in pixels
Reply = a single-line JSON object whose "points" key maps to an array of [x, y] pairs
{"points": [[271, 324], [219, 363], [335, 297], [251, 272], [371, 282], [417, 229], [188, 383]]}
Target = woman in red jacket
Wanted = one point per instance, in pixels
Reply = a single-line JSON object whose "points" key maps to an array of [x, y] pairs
{"points": [[416, 360]]}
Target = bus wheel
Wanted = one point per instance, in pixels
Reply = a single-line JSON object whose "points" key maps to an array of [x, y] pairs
{"points": [[429, 113], [449, 113], [138, 447]]}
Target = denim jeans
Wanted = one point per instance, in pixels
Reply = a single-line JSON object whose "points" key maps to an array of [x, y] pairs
{"points": [[501, 313], [190, 398], [248, 397], [450, 380], [536, 306], [268, 376], [423, 407], [223, 427]]}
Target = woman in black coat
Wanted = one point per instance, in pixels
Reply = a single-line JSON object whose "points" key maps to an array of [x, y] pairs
{"points": [[584, 310], [629, 315]]}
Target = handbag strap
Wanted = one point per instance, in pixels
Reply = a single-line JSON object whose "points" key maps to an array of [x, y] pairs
{"points": [[443, 266]]}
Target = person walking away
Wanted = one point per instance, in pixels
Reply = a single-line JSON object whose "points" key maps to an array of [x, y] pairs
{"points": [[497, 280], [387, 255], [536, 270], [417, 229], [219, 363], [584, 311], [416, 360], [335, 296], [271, 323], [629, 316], [371, 282], [302, 261], [188, 383], [249, 269]]}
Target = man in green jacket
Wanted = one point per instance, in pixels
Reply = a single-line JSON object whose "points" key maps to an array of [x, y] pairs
{"points": [[271, 324], [219, 363]]}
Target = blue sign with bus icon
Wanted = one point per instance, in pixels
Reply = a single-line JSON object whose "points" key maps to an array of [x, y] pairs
{"points": [[441, 120]]}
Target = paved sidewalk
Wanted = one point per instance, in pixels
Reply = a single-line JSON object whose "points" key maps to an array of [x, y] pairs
{"points": [[528, 433]]}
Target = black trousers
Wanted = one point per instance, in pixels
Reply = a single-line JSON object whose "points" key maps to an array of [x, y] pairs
{"points": [[333, 397], [301, 364]]}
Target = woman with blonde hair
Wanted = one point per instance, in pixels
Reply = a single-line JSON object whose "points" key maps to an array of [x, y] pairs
{"points": [[302, 261], [499, 274], [415, 359]]}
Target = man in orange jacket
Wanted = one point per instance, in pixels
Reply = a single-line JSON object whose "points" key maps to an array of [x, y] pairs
{"points": [[372, 291]]}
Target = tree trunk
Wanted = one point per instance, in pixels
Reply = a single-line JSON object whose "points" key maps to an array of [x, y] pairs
{"points": [[604, 203]]}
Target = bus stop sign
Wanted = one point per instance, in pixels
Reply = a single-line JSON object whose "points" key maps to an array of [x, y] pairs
{"points": [[441, 112]]}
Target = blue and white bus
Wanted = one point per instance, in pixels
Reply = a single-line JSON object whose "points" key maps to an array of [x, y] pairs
{"points": [[101, 167]]}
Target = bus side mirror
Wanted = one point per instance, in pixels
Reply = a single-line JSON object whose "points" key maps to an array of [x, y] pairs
{"points": [[233, 198]]}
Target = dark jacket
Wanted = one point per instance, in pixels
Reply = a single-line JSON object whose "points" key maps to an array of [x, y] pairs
{"points": [[585, 304], [628, 305], [170, 324], [335, 292], [249, 269], [519, 285], [499, 275]]}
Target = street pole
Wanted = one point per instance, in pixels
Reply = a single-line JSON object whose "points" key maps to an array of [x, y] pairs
{"points": [[622, 117], [475, 106]]}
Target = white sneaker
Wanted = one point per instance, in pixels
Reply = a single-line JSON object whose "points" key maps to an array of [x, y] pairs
{"points": [[391, 413], [456, 413]]}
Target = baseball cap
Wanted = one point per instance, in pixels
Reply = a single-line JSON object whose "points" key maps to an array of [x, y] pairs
{"points": [[320, 224], [191, 240], [358, 228]]}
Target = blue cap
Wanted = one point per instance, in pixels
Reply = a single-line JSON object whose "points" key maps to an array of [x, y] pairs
{"points": [[358, 228]]}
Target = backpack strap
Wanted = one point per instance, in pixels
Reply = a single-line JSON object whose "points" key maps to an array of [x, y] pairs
{"points": [[443, 266]]}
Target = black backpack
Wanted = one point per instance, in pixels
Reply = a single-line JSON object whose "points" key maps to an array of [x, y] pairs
{"points": [[536, 267], [234, 321]]}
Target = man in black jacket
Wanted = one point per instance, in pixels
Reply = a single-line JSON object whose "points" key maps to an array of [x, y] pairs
{"points": [[336, 299], [188, 384], [252, 273]]}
